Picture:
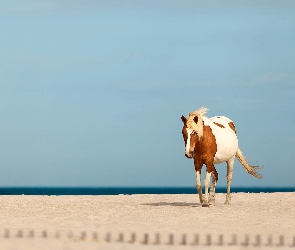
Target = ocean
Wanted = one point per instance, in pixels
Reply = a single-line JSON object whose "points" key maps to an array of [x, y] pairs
{"points": [[130, 190]]}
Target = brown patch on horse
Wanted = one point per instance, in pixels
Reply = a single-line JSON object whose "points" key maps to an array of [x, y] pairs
{"points": [[205, 150], [219, 125], [232, 126], [184, 133]]}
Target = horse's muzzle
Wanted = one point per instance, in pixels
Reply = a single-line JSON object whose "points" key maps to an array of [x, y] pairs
{"points": [[189, 155]]}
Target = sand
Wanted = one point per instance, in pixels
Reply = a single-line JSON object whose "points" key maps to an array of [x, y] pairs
{"points": [[264, 220]]}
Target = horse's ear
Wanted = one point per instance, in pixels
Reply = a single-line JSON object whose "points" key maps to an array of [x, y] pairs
{"points": [[196, 118], [183, 119]]}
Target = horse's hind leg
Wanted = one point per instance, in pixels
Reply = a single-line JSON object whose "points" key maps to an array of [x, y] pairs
{"points": [[212, 190], [229, 177]]}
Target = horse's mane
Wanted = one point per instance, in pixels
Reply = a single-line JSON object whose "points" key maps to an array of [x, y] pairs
{"points": [[197, 127]]}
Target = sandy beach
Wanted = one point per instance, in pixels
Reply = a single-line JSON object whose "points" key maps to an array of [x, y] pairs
{"points": [[264, 220]]}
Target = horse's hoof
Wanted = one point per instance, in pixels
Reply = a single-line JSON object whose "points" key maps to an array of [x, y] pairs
{"points": [[227, 203], [227, 200], [211, 203], [205, 205]]}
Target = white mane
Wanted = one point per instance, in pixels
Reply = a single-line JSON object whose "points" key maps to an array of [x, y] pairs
{"points": [[197, 127]]}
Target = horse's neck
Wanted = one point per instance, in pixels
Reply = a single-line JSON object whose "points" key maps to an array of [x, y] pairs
{"points": [[207, 121]]}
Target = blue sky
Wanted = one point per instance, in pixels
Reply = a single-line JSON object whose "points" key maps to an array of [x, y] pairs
{"points": [[91, 92]]}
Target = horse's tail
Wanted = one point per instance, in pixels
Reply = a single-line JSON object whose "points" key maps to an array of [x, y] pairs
{"points": [[250, 169]]}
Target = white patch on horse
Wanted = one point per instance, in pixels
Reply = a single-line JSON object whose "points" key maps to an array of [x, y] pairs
{"points": [[226, 138], [188, 142]]}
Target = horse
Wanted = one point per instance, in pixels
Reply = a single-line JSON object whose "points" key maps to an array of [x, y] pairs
{"points": [[210, 141]]}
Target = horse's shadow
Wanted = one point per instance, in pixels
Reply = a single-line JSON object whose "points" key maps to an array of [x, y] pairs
{"points": [[175, 204]]}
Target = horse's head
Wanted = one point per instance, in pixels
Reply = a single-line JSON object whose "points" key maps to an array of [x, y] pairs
{"points": [[190, 137]]}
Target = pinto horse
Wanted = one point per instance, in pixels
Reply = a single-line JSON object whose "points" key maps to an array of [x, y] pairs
{"points": [[212, 141]]}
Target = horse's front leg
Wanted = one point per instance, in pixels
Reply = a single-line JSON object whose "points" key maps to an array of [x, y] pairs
{"points": [[206, 185], [198, 168], [199, 185], [204, 199]]}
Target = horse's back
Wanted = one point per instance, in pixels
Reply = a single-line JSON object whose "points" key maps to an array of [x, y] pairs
{"points": [[223, 120], [226, 138]]}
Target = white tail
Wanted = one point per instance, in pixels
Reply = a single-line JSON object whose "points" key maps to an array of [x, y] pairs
{"points": [[250, 169]]}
